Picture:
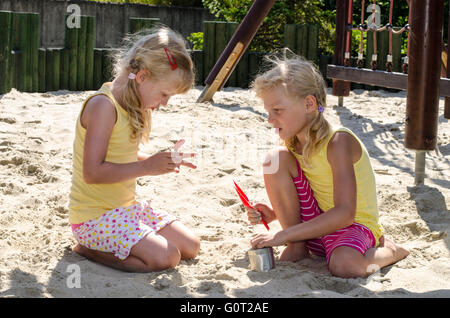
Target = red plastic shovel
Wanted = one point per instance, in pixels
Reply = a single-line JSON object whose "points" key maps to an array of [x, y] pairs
{"points": [[246, 202]]}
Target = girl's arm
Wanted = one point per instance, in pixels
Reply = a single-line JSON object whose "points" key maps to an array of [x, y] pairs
{"points": [[98, 118], [142, 156], [342, 153]]}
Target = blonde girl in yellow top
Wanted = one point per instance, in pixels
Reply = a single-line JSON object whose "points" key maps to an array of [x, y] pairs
{"points": [[339, 217], [110, 226]]}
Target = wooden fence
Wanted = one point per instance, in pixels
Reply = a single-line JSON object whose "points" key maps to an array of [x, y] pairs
{"points": [[80, 66]]}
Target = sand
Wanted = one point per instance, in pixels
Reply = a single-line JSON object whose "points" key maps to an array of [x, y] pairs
{"points": [[230, 137]]}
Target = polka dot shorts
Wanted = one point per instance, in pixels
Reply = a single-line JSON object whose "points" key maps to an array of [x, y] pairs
{"points": [[118, 230]]}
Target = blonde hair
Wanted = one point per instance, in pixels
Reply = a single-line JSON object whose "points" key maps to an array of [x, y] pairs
{"points": [[300, 79], [146, 50]]}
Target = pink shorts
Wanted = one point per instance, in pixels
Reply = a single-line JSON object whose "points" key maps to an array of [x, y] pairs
{"points": [[118, 230], [356, 235]]}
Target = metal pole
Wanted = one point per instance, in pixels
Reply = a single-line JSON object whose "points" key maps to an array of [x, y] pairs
{"points": [[419, 170]]}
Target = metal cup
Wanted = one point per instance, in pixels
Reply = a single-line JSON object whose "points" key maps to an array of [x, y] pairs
{"points": [[261, 259]]}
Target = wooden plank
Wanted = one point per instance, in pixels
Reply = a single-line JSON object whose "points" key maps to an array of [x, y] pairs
{"points": [[197, 59], [242, 71], [135, 25], [313, 43], [81, 57], [98, 68], [139, 24], [220, 38], [15, 50], [254, 62], [231, 29], [56, 68], [5, 51], [397, 41], [302, 40], [71, 43], [383, 49], [209, 35], [42, 70], [379, 78], [64, 69], [107, 65], [23, 78], [290, 37], [90, 42], [48, 70], [52, 74], [34, 47]]}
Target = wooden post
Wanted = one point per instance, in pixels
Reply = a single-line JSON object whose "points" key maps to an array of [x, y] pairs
{"points": [[220, 38], [34, 47], [231, 29], [302, 40], [48, 69], [64, 68], [313, 43], [422, 104], [5, 51], [90, 42], [397, 41], [209, 36], [235, 48], [98, 69], [81, 57], [107, 65], [52, 74], [71, 44], [254, 63], [20, 32], [242, 71], [138, 24], [42, 70], [197, 59], [447, 99], [290, 37], [340, 88]]}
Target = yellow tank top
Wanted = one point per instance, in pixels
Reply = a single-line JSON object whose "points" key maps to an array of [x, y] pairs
{"points": [[88, 201], [320, 178]]}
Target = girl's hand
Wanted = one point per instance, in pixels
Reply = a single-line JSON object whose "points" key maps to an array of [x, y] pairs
{"points": [[166, 162], [268, 239], [260, 211]]}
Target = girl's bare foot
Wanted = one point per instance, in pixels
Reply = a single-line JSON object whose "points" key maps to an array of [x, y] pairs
{"points": [[398, 251], [294, 252], [80, 249]]}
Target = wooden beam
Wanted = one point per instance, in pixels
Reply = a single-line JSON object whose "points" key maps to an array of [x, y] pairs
{"points": [[235, 48], [379, 78]]}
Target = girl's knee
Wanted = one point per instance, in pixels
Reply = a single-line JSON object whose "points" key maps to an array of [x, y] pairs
{"points": [[278, 161], [169, 260], [346, 266]]}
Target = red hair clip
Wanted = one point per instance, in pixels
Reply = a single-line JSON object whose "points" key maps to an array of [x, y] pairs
{"points": [[172, 62]]}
